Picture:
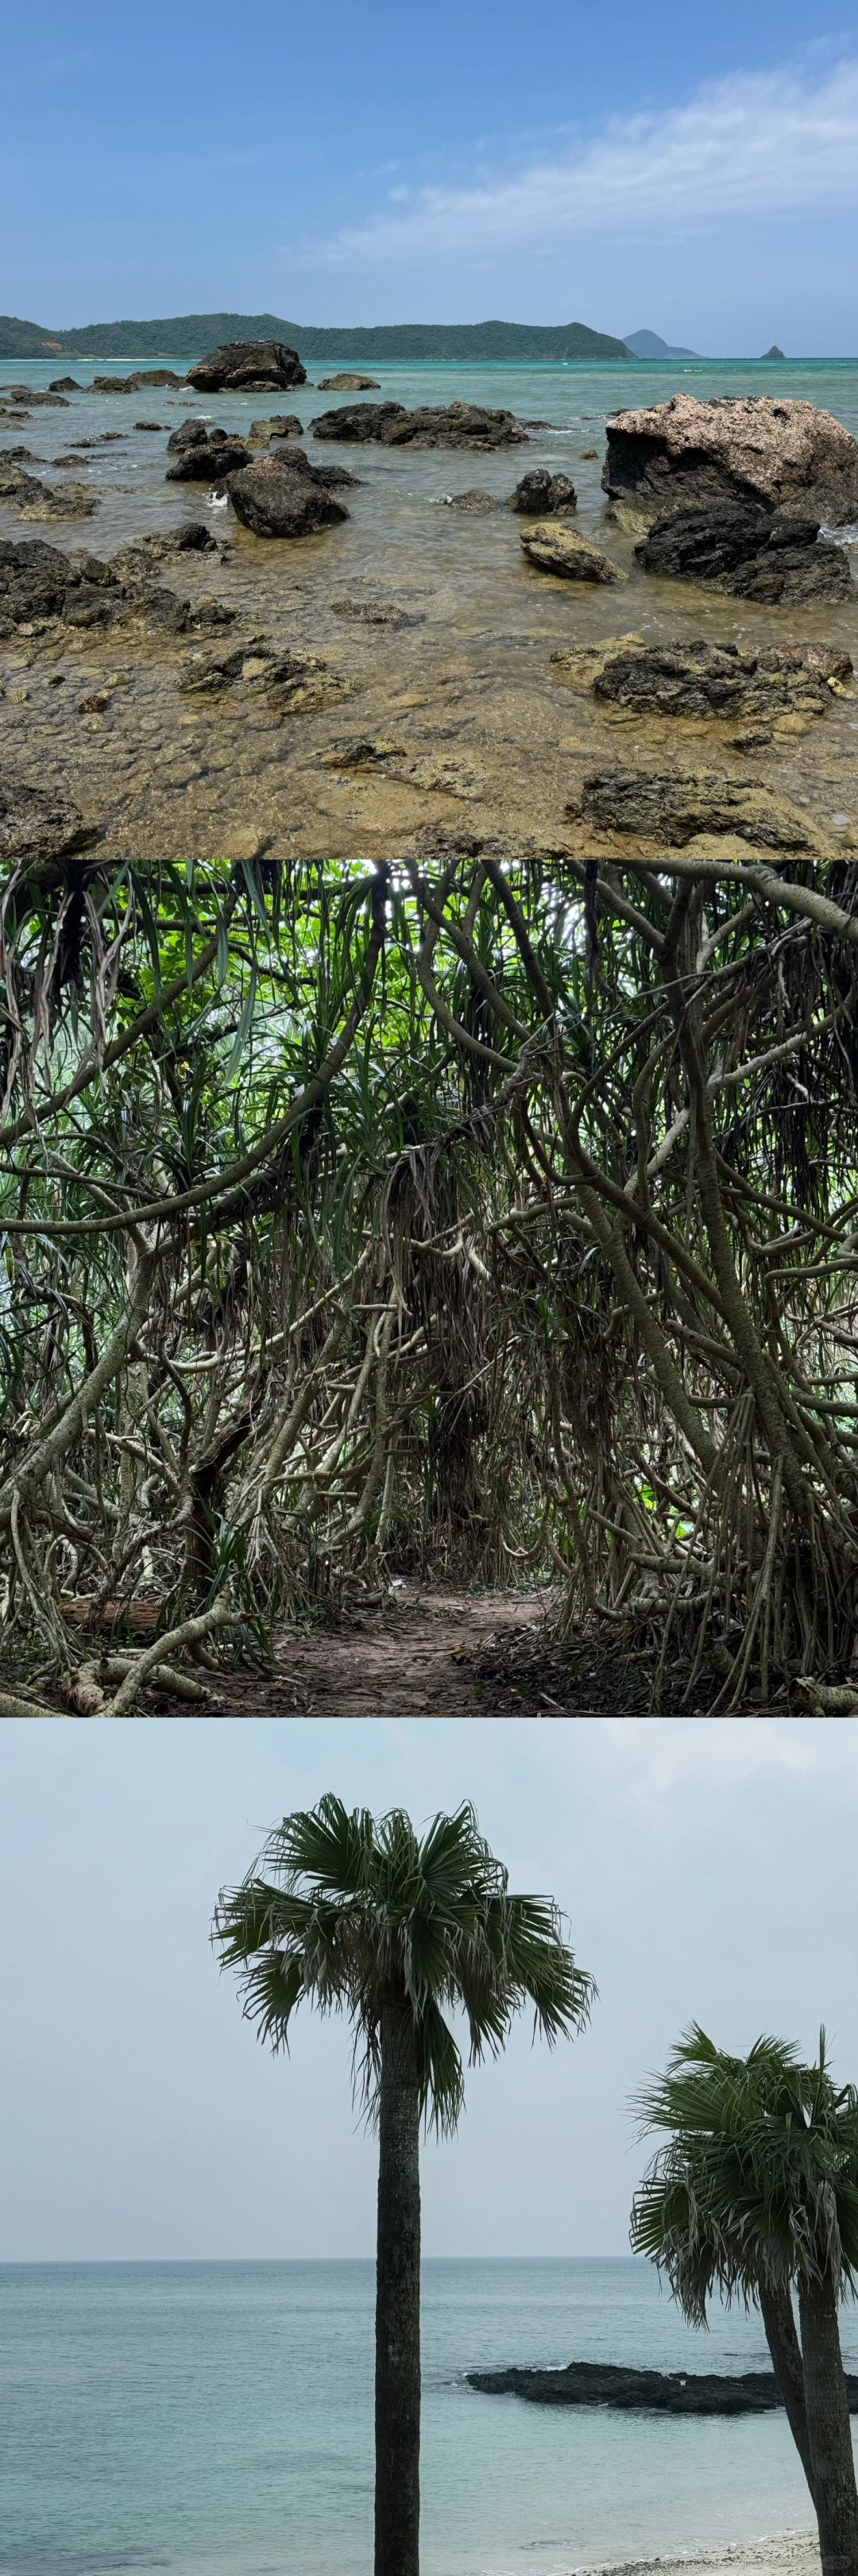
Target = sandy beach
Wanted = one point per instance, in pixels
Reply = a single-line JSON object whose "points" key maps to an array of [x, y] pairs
{"points": [[791, 2553]]}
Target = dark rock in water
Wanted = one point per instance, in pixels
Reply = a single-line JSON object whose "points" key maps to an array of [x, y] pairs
{"points": [[474, 500], [27, 394], [19, 456], [684, 455], [206, 458], [701, 679], [541, 495], [136, 383], [285, 424], [37, 827], [190, 433], [377, 612], [444, 425], [39, 585], [35, 500], [276, 497], [65, 385], [347, 384], [150, 424], [555, 547], [676, 808], [135, 561], [741, 547], [248, 363], [652, 2392]]}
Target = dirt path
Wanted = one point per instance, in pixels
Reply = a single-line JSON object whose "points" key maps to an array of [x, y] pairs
{"points": [[425, 1654]]}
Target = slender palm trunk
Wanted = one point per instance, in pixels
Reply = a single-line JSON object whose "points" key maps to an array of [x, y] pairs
{"points": [[776, 2309], [397, 2301], [829, 2430]]}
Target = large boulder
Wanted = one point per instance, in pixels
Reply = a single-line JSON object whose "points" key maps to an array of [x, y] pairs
{"points": [[554, 547], [388, 424], [207, 457], [347, 384], [685, 454], [541, 495], [749, 551], [247, 363], [275, 497]]}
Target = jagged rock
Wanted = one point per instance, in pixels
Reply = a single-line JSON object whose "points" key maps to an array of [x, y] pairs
{"points": [[38, 827], [247, 363], [205, 456], [190, 433], [679, 807], [541, 495], [556, 548], [136, 559], [137, 383], [377, 612], [31, 396], [285, 424], [278, 497], [347, 384], [65, 385], [39, 585], [291, 680], [34, 500], [655, 2392], [388, 424], [778, 685], [478, 503], [743, 548], [686, 454]]}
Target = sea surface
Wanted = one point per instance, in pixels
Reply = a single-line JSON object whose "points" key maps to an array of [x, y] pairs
{"points": [[482, 729], [216, 2419]]}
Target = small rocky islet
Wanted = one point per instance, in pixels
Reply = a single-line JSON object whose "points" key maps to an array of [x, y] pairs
{"points": [[738, 497], [652, 2392]]}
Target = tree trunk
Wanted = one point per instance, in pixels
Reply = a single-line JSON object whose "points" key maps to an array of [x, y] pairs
{"points": [[397, 2302], [776, 2309], [829, 2430]]}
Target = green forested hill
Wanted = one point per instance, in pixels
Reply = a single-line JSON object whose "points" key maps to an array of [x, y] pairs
{"points": [[191, 335]]}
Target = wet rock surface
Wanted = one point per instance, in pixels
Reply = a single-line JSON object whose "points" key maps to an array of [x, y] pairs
{"points": [[553, 547], [34, 826], [686, 454], [389, 424], [541, 495], [285, 424], [40, 586], [474, 502], [376, 612], [778, 684], [247, 363], [33, 395], [34, 500], [741, 547], [284, 496], [655, 2392], [203, 455], [685, 805]]}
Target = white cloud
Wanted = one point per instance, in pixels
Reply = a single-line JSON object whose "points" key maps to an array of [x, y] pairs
{"points": [[768, 144]]}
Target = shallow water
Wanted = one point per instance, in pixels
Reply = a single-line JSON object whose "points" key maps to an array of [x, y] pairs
{"points": [[488, 735], [215, 2419]]}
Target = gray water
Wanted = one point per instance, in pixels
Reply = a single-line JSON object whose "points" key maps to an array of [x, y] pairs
{"points": [[215, 2419]]}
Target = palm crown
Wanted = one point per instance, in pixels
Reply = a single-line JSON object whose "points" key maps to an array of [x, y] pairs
{"points": [[352, 1913], [759, 2177]]}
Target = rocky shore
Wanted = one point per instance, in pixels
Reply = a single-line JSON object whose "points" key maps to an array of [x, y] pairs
{"points": [[653, 2392]]}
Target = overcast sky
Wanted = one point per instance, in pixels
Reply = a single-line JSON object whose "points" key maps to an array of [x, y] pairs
{"points": [[707, 1869], [690, 170]]}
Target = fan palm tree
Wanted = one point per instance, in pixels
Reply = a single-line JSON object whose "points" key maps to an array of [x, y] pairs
{"points": [[363, 1918], [755, 2196]]}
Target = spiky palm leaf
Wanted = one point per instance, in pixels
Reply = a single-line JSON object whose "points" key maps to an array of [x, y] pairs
{"points": [[347, 1912]]}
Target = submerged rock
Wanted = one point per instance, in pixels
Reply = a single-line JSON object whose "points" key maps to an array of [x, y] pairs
{"points": [[247, 363], [285, 424], [556, 548], [31, 396], [34, 826], [478, 503], [193, 538], [283, 496], [686, 454], [377, 612], [40, 586], [34, 500], [781, 684], [347, 384], [656, 2392], [541, 495], [388, 424], [683, 805], [743, 548], [291, 680]]}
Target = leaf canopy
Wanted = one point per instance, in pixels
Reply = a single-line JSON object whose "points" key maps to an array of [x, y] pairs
{"points": [[351, 1913]]}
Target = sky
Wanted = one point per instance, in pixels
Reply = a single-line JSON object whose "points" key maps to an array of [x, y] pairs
{"points": [[692, 171], [707, 1870]]}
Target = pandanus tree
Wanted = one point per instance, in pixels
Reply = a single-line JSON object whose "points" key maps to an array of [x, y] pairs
{"points": [[754, 2196], [397, 1933]]}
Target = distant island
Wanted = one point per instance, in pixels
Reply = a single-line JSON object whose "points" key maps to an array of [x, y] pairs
{"points": [[191, 335], [648, 344]]}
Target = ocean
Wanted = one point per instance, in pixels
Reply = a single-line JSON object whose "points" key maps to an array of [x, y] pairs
{"points": [[215, 2419]]}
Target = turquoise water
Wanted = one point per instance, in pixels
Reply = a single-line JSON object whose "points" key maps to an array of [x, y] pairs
{"points": [[215, 2419]]}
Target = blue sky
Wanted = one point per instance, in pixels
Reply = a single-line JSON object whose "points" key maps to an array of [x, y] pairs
{"points": [[707, 1870], [690, 169]]}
